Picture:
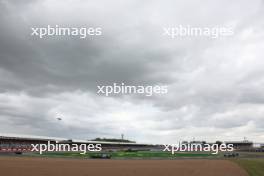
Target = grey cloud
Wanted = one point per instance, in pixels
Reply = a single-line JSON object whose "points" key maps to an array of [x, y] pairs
{"points": [[208, 79]]}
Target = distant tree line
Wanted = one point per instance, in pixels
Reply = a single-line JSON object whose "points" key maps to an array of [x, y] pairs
{"points": [[113, 140]]}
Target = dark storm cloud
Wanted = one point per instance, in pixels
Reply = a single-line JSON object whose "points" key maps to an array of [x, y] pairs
{"points": [[69, 63]]}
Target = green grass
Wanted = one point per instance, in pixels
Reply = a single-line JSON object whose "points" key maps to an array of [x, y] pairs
{"points": [[254, 167], [122, 154], [149, 154]]}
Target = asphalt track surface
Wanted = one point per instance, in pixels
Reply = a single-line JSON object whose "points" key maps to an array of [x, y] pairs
{"points": [[34, 166]]}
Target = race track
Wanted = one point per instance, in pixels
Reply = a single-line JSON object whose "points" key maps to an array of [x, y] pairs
{"points": [[21, 166]]}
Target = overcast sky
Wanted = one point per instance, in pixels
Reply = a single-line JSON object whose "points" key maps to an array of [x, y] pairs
{"points": [[216, 86]]}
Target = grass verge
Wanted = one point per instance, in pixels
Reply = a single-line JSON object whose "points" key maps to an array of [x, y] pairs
{"points": [[130, 155], [254, 167]]}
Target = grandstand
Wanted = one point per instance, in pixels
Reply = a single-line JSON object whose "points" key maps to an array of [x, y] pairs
{"points": [[244, 145], [22, 143], [19, 143]]}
